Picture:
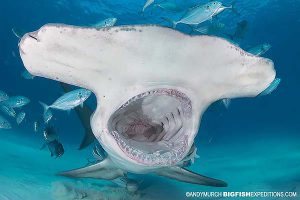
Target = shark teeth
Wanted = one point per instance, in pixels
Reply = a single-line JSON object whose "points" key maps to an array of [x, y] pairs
{"points": [[150, 137], [163, 91], [157, 158]]}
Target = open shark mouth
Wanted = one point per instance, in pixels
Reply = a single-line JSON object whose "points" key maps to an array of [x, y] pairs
{"points": [[152, 128]]}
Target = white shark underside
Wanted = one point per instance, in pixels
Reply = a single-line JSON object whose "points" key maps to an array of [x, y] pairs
{"points": [[152, 86]]}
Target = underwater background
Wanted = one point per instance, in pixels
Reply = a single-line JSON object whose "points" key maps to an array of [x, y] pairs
{"points": [[254, 145]]}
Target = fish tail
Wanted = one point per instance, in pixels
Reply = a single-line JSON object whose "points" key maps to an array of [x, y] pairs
{"points": [[174, 23], [271, 87], [203, 30], [45, 106], [233, 8]]}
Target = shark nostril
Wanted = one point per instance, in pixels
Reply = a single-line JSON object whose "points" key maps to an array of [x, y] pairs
{"points": [[33, 37]]}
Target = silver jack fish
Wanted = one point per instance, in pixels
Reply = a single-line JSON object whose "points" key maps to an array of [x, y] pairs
{"points": [[16, 101], [67, 102], [3, 96], [4, 124], [20, 117], [27, 75], [200, 13], [8, 110], [106, 23], [260, 49]]}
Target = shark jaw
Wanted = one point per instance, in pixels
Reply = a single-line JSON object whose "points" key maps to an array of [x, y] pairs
{"points": [[153, 128]]}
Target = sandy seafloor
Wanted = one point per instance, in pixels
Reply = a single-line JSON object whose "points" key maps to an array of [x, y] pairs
{"points": [[247, 165]]}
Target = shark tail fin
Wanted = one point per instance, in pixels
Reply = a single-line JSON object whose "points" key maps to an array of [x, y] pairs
{"points": [[102, 170], [174, 23], [45, 106], [185, 175]]}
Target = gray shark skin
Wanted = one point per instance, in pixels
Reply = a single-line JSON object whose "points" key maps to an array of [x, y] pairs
{"points": [[152, 86]]}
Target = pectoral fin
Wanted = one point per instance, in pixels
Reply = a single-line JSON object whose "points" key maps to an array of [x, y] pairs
{"points": [[185, 175], [102, 170]]}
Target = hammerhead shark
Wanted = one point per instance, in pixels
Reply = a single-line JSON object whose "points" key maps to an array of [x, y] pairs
{"points": [[152, 86]]}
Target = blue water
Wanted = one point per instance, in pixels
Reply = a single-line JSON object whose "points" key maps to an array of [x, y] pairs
{"points": [[254, 145]]}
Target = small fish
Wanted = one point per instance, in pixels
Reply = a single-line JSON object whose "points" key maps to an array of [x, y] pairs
{"points": [[199, 14], [99, 153], [148, 3], [106, 23], [20, 117], [35, 126], [27, 75], [47, 116], [51, 141], [226, 103], [8, 110], [66, 102], [168, 6], [3, 96], [210, 29], [56, 148], [190, 157], [16, 101], [13, 54], [271, 87], [260, 49], [4, 124]]}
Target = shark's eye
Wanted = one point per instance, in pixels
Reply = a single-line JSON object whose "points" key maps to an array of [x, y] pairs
{"points": [[207, 7]]}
